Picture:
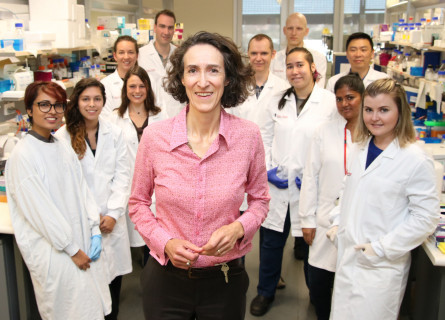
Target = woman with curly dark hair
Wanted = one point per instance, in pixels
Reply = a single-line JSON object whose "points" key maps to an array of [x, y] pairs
{"points": [[200, 163], [102, 151]]}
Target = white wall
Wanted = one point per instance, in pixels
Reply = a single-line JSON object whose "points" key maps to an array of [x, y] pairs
{"points": [[205, 15]]}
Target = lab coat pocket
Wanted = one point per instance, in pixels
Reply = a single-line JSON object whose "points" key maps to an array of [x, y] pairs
{"points": [[370, 270], [383, 193]]}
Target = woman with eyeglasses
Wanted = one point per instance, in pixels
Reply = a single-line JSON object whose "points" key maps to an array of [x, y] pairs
{"points": [[55, 218], [102, 151]]}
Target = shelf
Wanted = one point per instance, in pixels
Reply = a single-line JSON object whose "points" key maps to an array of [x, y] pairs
{"points": [[49, 51], [398, 6], [427, 3], [415, 46], [106, 6]]}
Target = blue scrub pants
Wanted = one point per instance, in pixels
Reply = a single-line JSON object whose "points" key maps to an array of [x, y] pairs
{"points": [[271, 256]]}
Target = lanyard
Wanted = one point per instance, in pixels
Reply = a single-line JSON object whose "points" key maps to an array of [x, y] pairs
{"points": [[344, 155]]}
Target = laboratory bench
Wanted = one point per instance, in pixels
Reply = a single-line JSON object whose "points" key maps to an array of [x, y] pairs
{"points": [[17, 300]]}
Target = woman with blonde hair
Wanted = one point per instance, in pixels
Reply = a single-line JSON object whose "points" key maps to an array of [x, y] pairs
{"points": [[389, 206]]}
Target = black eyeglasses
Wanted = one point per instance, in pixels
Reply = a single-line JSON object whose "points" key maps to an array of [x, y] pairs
{"points": [[45, 106]]}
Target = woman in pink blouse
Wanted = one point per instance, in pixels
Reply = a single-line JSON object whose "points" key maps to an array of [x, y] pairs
{"points": [[199, 164]]}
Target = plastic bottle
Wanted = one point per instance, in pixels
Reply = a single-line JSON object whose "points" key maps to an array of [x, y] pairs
{"points": [[19, 35], [442, 66], [87, 32], [435, 21], [429, 73], [436, 74], [62, 68], [98, 73], [418, 26], [403, 62], [10, 143], [406, 63], [84, 69], [416, 60], [422, 23], [441, 77], [56, 69]]}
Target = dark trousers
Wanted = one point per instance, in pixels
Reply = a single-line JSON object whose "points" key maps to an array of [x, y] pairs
{"points": [[115, 292], [321, 283], [146, 254], [271, 256], [303, 249], [168, 294]]}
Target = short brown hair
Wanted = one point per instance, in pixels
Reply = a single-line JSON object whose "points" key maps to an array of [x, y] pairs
{"points": [[50, 88], [165, 12], [404, 129], [260, 37], [238, 75]]}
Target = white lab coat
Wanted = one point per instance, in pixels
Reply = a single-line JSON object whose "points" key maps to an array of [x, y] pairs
{"points": [[286, 140], [54, 215], [149, 60], [165, 100], [132, 143], [370, 77], [278, 65], [394, 205], [252, 108], [113, 91], [108, 176], [323, 176]]}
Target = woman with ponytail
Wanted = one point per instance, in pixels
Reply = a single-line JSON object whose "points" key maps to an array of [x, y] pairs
{"points": [[287, 127]]}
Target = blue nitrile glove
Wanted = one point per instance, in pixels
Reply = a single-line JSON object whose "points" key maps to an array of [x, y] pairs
{"points": [[277, 182], [298, 183], [95, 247]]}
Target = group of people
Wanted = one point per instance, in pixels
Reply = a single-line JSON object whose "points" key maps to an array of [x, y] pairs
{"points": [[213, 150]]}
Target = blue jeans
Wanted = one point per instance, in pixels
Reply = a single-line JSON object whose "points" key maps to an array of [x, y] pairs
{"points": [[271, 256], [320, 285]]}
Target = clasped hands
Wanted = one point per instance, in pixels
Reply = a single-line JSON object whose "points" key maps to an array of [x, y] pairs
{"points": [[278, 182], [183, 253]]}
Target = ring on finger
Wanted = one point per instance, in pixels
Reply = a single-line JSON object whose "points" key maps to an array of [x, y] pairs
{"points": [[188, 263], [219, 251]]}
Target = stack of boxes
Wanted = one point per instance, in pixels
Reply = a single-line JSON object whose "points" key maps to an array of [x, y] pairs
{"points": [[65, 18]]}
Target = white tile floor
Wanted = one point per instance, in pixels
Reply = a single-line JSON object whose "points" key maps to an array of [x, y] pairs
{"points": [[290, 303]]}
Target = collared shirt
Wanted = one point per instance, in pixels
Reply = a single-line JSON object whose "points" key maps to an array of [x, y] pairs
{"points": [[258, 90], [163, 60], [196, 196]]}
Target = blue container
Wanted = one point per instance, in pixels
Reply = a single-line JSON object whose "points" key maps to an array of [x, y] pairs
{"points": [[416, 71], [5, 85]]}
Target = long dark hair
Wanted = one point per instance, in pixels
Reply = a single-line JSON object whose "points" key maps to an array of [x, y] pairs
{"points": [[310, 59], [149, 102], [75, 123]]}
